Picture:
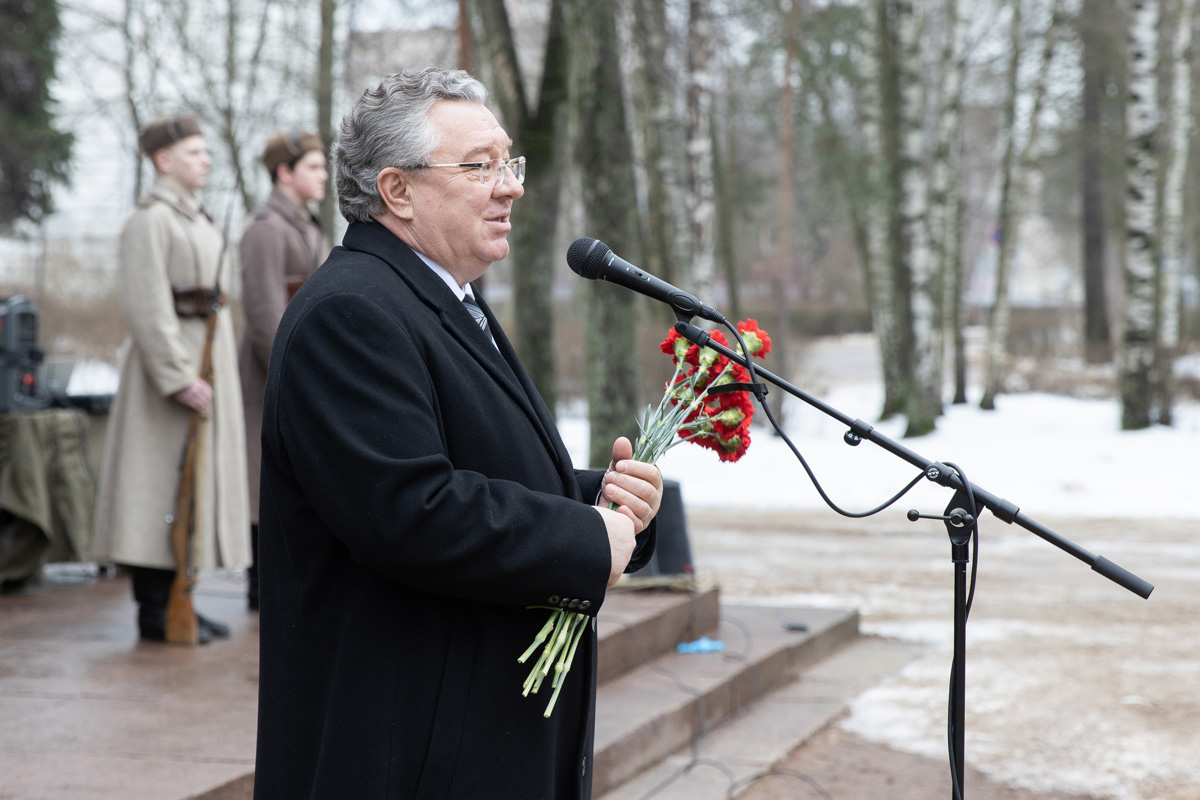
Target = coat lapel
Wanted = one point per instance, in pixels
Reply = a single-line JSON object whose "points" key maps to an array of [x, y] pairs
{"points": [[377, 240], [544, 418]]}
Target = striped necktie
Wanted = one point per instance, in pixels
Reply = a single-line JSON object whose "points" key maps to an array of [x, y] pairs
{"points": [[479, 317]]}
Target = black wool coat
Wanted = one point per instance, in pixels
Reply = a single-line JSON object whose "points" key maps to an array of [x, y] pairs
{"points": [[416, 499]]}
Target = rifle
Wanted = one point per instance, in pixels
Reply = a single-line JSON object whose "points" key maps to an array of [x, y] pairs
{"points": [[182, 625]]}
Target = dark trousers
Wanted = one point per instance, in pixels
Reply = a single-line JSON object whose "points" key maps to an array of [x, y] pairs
{"points": [[151, 591], [252, 572]]}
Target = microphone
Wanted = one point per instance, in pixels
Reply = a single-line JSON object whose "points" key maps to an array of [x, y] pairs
{"points": [[591, 259]]}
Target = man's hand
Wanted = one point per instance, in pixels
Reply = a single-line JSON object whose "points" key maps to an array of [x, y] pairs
{"points": [[635, 486], [620, 542], [197, 396]]}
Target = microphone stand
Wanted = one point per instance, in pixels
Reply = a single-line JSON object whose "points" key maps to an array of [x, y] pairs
{"points": [[961, 517]]}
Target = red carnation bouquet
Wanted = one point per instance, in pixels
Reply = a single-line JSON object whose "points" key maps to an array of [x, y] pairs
{"points": [[693, 409]]}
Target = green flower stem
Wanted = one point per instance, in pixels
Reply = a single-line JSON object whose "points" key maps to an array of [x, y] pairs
{"points": [[659, 432], [541, 637], [564, 667], [557, 641], [558, 618]]}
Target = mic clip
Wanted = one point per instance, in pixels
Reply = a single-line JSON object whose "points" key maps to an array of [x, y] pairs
{"points": [[758, 389]]}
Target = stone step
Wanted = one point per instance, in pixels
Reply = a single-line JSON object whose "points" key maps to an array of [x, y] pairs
{"points": [[732, 754], [651, 711], [632, 627], [636, 626]]}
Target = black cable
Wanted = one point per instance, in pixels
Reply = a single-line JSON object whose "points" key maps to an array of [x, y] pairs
{"points": [[800, 457], [696, 760], [951, 702], [749, 780]]}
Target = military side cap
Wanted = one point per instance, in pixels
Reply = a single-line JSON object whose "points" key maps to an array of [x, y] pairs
{"points": [[287, 147], [166, 131]]}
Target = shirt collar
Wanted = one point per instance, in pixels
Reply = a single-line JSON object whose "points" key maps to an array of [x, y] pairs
{"points": [[459, 291]]}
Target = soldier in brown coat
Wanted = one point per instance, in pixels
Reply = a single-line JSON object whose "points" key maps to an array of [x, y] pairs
{"points": [[167, 267], [281, 247]]}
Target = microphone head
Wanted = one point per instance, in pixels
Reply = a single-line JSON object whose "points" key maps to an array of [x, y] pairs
{"points": [[585, 257]]}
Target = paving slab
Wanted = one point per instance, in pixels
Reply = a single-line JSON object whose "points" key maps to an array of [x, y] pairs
{"points": [[89, 712]]}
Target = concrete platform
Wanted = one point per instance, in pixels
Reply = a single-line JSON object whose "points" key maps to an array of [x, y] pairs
{"points": [[88, 712]]}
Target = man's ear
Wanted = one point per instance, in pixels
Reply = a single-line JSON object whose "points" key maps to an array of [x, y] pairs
{"points": [[395, 189], [162, 161]]}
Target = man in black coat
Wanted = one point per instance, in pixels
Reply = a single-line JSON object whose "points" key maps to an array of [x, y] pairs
{"points": [[416, 497]]}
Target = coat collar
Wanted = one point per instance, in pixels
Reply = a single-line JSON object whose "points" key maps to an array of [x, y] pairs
{"points": [[502, 364], [172, 194], [297, 214]]}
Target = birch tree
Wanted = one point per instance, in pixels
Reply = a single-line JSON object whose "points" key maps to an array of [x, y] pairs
{"points": [[1095, 19], [880, 137], [604, 155], [324, 102], [662, 146], [856, 158], [784, 260], [1177, 129], [1020, 154], [917, 265], [945, 193], [699, 150], [1141, 120]]}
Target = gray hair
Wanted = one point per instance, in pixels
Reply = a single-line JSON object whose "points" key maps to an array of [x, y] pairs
{"points": [[389, 127]]}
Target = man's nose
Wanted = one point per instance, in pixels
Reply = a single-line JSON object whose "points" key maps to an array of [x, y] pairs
{"points": [[508, 186]]}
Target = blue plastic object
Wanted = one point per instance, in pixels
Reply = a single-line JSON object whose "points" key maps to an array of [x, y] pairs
{"points": [[701, 645]]}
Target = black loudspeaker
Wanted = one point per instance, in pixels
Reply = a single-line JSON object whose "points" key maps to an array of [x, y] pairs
{"points": [[672, 551], [19, 356]]}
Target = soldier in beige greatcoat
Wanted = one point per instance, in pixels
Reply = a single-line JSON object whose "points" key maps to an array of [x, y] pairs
{"points": [[280, 249], [168, 256]]}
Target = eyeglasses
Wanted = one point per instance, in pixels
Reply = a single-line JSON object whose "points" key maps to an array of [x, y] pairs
{"points": [[491, 173]]}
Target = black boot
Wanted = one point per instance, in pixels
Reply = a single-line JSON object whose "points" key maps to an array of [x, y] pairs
{"points": [[215, 629], [152, 590]]}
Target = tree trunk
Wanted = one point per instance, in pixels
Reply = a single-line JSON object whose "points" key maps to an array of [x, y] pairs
{"points": [[920, 252], [877, 200], [1019, 161], [128, 70], [229, 120], [724, 161], [662, 145], [996, 348], [853, 171], [325, 109], [536, 136], [946, 195], [1141, 116], [605, 158], [464, 37], [896, 265], [1097, 338], [1168, 289], [957, 272], [784, 266], [699, 149]]}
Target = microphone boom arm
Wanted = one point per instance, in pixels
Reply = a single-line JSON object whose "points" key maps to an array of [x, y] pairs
{"points": [[935, 471]]}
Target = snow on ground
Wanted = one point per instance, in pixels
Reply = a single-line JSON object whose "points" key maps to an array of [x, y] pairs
{"points": [[1073, 684], [1051, 455]]}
